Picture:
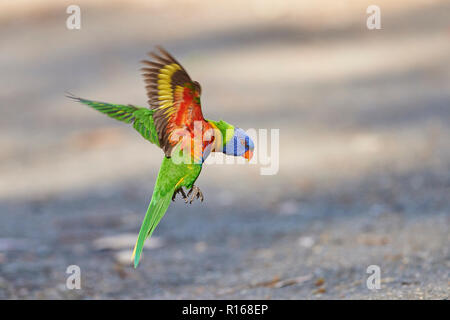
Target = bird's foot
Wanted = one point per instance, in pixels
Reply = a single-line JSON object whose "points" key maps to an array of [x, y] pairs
{"points": [[195, 193], [182, 194]]}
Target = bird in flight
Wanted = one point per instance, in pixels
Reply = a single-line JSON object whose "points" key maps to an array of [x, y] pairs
{"points": [[174, 122]]}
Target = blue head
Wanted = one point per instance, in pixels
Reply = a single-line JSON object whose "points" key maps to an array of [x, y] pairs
{"points": [[239, 144]]}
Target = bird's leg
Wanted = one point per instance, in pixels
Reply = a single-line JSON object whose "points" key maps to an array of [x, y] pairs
{"points": [[180, 190], [196, 193]]}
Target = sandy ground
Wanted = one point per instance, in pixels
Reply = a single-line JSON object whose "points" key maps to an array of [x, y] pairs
{"points": [[364, 155]]}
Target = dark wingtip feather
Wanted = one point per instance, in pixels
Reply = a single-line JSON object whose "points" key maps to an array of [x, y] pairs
{"points": [[70, 95], [166, 54]]}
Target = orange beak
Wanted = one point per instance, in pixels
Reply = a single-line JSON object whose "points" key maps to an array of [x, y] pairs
{"points": [[248, 154]]}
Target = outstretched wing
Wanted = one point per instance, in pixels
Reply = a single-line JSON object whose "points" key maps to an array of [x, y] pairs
{"points": [[173, 96], [141, 118]]}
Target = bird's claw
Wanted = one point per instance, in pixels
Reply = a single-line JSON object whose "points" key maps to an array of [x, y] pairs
{"points": [[195, 192], [182, 194]]}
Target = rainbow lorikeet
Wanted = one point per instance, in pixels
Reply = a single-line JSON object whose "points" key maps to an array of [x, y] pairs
{"points": [[173, 123]]}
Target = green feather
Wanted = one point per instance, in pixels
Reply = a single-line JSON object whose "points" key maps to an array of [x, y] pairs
{"points": [[142, 118], [171, 177], [226, 129]]}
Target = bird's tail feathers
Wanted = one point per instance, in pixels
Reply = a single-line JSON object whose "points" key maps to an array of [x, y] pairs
{"points": [[156, 209]]}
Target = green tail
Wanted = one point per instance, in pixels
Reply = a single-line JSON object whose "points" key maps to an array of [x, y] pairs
{"points": [[156, 210], [171, 176]]}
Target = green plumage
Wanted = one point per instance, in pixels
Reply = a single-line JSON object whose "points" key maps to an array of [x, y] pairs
{"points": [[141, 118], [171, 176], [174, 104]]}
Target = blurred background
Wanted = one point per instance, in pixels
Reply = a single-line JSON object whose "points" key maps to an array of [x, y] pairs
{"points": [[364, 150]]}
